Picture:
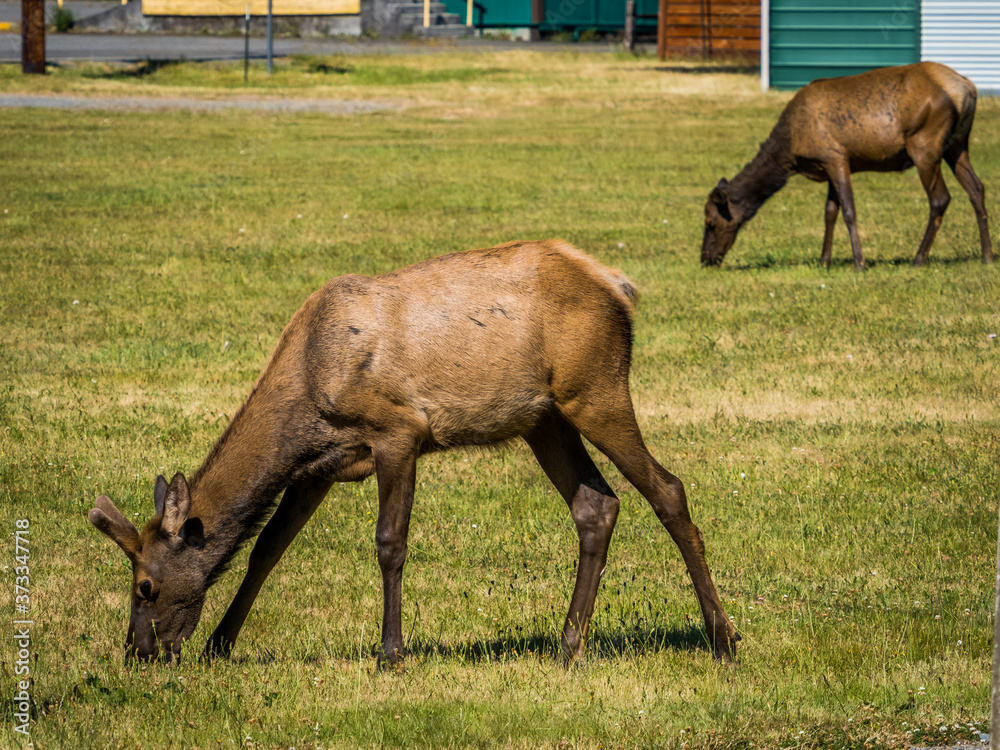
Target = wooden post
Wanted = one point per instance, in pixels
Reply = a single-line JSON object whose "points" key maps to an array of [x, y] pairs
{"points": [[33, 36], [537, 18], [629, 39], [661, 30], [427, 13]]}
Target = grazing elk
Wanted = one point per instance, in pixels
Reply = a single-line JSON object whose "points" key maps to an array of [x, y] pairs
{"points": [[885, 120], [527, 340]]}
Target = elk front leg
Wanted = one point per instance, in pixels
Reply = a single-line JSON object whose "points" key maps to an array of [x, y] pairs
{"points": [[830, 216], [396, 473], [840, 181], [296, 507], [594, 508]]}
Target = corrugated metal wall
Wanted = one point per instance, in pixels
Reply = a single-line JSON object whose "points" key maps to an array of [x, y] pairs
{"points": [[825, 38], [964, 35], [559, 14]]}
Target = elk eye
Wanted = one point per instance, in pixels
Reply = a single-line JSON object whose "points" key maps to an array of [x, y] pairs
{"points": [[145, 588]]}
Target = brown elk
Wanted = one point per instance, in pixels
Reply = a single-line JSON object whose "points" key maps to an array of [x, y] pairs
{"points": [[527, 340], [885, 120]]}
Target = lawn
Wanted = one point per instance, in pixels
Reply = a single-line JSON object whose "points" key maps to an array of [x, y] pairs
{"points": [[838, 433]]}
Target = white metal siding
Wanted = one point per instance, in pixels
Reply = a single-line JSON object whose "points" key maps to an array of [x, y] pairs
{"points": [[965, 36]]}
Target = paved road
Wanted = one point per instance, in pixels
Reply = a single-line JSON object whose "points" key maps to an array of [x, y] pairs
{"points": [[138, 47]]}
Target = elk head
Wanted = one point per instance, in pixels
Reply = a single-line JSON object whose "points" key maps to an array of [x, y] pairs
{"points": [[169, 578], [722, 222]]}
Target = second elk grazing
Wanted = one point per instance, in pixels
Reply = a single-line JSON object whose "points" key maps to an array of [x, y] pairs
{"points": [[528, 340], [885, 120]]}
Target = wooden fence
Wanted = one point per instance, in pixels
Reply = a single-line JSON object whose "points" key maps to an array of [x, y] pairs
{"points": [[709, 28]]}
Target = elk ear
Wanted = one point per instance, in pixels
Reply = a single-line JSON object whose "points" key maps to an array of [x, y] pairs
{"points": [[176, 505], [193, 533], [718, 195], [109, 520], [159, 494]]}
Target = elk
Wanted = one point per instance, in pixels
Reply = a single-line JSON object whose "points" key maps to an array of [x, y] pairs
{"points": [[528, 339], [885, 120]]}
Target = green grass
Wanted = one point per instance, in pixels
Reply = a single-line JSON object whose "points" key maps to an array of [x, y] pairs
{"points": [[838, 432]]}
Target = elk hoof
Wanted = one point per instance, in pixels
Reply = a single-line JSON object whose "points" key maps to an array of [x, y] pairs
{"points": [[725, 652], [217, 648], [391, 662]]}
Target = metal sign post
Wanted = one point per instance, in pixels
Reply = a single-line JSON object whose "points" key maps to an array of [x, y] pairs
{"points": [[246, 48], [270, 37]]}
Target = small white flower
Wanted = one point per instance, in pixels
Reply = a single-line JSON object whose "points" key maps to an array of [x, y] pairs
{"points": [[243, 230], [959, 643], [991, 336], [76, 302], [299, 216], [743, 475], [346, 215], [621, 245], [850, 356], [771, 294], [665, 221], [474, 526], [736, 492], [822, 286]]}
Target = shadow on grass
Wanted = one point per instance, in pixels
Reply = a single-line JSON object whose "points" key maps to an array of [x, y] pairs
{"points": [[612, 644], [132, 71], [769, 262], [696, 69]]}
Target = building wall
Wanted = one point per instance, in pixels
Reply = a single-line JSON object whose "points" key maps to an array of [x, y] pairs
{"points": [[822, 39], [965, 35], [257, 7]]}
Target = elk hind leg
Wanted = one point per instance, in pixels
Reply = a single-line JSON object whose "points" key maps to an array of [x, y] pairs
{"points": [[939, 198], [969, 180], [610, 425], [594, 508], [296, 507]]}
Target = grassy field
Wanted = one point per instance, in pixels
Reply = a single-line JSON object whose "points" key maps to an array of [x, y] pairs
{"points": [[838, 432]]}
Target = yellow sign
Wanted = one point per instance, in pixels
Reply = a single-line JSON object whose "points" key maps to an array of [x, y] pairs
{"points": [[5, 26], [257, 7]]}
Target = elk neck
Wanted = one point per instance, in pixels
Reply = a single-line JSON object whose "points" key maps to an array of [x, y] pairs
{"points": [[766, 174], [250, 464]]}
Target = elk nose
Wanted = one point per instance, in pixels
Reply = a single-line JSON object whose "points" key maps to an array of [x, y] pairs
{"points": [[145, 588]]}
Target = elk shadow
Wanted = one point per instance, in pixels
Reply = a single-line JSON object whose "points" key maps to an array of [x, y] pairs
{"points": [[602, 644]]}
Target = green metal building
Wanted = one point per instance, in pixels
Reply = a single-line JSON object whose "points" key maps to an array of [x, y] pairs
{"points": [[806, 39]]}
